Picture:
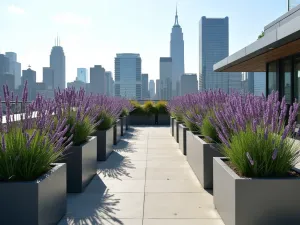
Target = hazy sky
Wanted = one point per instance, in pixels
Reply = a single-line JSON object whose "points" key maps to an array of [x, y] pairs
{"points": [[93, 31]]}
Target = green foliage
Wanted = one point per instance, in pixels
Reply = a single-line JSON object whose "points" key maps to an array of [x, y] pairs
{"points": [[192, 126], [149, 108], [261, 148], [161, 107], [82, 128], [107, 121], [261, 35], [209, 131], [22, 162], [124, 112]]}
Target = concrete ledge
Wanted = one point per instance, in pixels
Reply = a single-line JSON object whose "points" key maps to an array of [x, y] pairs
{"points": [[182, 138]]}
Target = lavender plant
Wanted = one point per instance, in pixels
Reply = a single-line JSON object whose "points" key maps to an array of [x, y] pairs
{"points": [[30, 142]]}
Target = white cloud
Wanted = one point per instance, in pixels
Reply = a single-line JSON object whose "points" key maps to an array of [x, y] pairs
{"points": [[71, 18], [16, 10]]}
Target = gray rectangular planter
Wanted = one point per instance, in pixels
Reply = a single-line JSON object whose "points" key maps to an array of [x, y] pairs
{"points": [[81, 165], [246, 201], [172, 125], [176, 127], [163, 119], [117, 131], [137, 119], [123, 125], [182, 137], [39, 202], [200, 157], [105, 142], [127, 122]]}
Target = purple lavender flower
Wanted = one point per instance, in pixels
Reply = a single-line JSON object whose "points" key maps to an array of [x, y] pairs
{"points": [[249, 158], [274, 155]]}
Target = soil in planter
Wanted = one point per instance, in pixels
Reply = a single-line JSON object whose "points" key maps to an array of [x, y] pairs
{"points": [[290, 174]]}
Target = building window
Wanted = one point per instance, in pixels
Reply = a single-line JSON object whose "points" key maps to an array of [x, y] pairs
{"points": [[287, 75], [272, 77]]}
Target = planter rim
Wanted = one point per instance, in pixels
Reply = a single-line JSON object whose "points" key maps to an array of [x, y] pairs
{"points": [[205, 143], [221, 161], [55, 167], [182, 125], [89, 138], [105, 129]]}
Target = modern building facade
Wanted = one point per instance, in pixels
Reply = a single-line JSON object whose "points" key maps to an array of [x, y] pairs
{"points": [[128, 76], [4, 64], [260, 83], [213, 47], [157, 94], [152, 89], [14, 68], [7, 79], [177, 55], [29, 75], [82, 74], [58, 64], [145, 88], [97, 80], [165, 76], [77, 84], [189, 84], [277, 54], [48, 78], [109, 83]]}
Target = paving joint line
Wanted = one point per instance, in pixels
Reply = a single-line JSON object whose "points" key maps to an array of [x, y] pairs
{"points": [[145, 179]]}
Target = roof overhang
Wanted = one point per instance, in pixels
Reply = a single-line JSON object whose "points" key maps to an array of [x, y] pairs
{"points": [[278, 43]]}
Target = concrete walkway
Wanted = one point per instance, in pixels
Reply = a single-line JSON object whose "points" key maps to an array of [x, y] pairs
{"points": [[146, 181]]}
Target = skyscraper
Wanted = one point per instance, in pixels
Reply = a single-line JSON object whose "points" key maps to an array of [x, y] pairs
{"points": [[82, 74], [145, 89], [189, 83], [152, 89], [177, 55], [259, 83], [165, 76], [48, 78], [128, 79], [14, 68], [29, 75], [213, 47], [97, 80], [109, 83], [58, 64], [4, 64], [157, 93]]}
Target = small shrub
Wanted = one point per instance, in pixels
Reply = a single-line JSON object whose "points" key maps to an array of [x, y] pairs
{"points": [[191, 125], [161, 107], [209, 131], [107, 121], [149, 108], [124, 112]]}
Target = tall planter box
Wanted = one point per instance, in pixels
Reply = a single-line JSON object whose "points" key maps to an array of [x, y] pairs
{"points": [[163, 119], [246, 201], [39, 202], [141, 119], [105, 142], [176, 127], [182, 137], [117, 131], [172, 125], [123, 125], [127, 122], [200, 157], [81, 165]]}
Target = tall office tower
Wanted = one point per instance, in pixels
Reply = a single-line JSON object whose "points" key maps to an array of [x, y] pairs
{"points": [[97, 80], [145, 88], [14, 68], [259, 83], [29, 75], [82, 74], [165, 76], [9, 80], [4, 64], [58, 64], [213, 47], [189, 83], [48, 78], [177, 55], [235, 81], [128, 78], [109, 83], [152, 89], [157, 93], [247, 82]]}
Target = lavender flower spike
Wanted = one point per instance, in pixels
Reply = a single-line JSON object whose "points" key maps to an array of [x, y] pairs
{"points": [[249, 158], [3, 143], [274, 155]]}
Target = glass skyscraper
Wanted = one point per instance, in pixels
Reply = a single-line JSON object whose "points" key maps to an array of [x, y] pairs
{"points": [[82, 74]]}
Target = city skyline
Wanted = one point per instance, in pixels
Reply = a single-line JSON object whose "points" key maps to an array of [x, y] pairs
{"points": [[153, 27]]}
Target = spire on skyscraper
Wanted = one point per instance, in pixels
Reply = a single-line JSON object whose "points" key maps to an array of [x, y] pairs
{"points": [[176, 17]]}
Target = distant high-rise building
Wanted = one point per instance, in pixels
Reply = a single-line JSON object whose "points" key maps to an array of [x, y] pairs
{"points": [[9, 80], [97, 80], [4, 64], [77, 84], [145, 88], [152, 89], [247, 82], [177, 55], [234, 81], [189, 83], [29, 75], [48, 78], [157, 94], [109, 83], [14, 68], [165, 77], [82, 74], [58, 64], [128, 79], [213, 47], [259, 83]]}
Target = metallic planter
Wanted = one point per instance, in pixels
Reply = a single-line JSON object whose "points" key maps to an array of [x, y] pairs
{"points": [[123, 125], [200, 157], [172, 125], [117, 131], [182, 138], [176, 127], [244, 201], [81, 165], [163, 119], [105, 141], [39, 202], [127, 122], [136, 119]]}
